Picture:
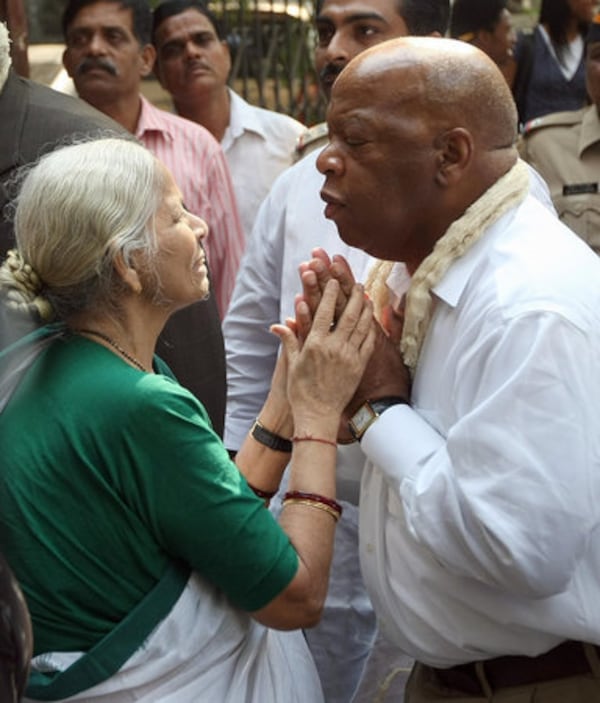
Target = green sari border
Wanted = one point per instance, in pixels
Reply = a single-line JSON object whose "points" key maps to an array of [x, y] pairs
{"points": [[106, 657]]}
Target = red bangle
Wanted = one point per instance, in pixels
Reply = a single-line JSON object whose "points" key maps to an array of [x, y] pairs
{"points": [[267, 495], [313, 498], [310, 438]]}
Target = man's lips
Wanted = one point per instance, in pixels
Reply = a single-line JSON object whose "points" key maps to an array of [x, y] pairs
{"points": [[197, 67], [332, 203]]}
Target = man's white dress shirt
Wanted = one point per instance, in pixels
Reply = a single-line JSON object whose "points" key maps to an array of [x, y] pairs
{"points": [[480, 505]]}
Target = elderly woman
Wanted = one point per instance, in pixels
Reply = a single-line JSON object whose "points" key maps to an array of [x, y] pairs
{"points": [[152, 569]]}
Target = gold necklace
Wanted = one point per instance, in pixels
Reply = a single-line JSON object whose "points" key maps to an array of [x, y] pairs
{"points": [[115, 346]]}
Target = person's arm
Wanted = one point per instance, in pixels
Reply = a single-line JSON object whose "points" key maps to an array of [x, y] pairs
{"points": [[251, 349]]}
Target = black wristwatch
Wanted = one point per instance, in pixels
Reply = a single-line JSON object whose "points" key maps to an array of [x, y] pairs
{"points": [[269, 439], [369, 411]]}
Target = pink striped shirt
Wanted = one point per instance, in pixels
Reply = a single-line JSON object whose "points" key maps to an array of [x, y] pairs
{"points": [[200, 169]]}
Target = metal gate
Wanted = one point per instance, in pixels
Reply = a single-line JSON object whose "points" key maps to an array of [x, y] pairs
{"points": [[272, 46]]}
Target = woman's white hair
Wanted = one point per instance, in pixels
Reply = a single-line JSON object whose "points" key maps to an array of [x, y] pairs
{"points": [[78, 208]]}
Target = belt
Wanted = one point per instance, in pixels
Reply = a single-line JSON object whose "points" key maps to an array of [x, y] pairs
{"points": [[565, 660]]}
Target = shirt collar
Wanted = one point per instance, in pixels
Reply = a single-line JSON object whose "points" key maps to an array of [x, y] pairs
{"points": [[590, 129], [150, 120], [454, 282], [242, 118]]}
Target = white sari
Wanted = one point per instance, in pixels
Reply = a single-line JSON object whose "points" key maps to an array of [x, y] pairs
{"points": [[204, 651]]}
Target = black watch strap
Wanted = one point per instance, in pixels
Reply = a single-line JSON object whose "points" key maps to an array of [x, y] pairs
{"points": [[382, 404], [274, 441]]}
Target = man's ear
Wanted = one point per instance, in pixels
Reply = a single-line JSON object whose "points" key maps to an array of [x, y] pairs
{"points": [[157, 72], [455, 152], [147, 59], [227, 52], [67, 63], [127, 273]]}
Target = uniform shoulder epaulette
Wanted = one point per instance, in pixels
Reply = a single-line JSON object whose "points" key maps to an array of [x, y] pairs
{"points": [[554, 119], [311, 138]]}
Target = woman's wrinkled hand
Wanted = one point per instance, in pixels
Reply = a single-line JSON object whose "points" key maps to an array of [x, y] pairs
{"points": [[326, 354]]}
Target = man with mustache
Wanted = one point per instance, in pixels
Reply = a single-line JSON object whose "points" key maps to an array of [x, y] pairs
{"points": [[289, 224], [108, 53], [193, 63]]}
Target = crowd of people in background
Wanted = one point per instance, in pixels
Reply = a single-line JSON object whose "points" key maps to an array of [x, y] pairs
{"points": [[303, 413]]}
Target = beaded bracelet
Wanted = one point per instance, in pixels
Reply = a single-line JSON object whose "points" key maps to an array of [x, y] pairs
{"points": [[315, 500], [269, 439], [310, 438], [267, 495]]}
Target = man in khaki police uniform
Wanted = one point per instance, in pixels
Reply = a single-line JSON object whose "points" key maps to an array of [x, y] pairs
{"points": [[565, 148]]}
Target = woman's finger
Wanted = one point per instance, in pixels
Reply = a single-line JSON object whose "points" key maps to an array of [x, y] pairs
{"points": [[352, 311], [303, 318], [325, 314], [364, 324], [311, 290], [288, 339]]}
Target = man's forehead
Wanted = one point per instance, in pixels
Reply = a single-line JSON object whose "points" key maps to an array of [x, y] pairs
{"points": [[187, 22], [356, 10], [380, 76], [108, 14]]}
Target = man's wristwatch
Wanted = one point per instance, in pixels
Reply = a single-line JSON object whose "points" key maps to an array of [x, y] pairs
{"points": [[369, 411]]}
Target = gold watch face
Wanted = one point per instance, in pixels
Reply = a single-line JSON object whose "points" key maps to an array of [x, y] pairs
{"points": [[361, 419]]}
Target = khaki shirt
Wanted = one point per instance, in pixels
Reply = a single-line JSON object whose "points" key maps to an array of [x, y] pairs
{"points": [[315, 137], [565, 148]]}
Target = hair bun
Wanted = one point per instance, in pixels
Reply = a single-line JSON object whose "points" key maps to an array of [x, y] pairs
{"points": [[24, 289]]}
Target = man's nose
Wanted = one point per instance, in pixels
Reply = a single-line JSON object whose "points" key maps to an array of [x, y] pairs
{"points": [[328, 160], [338, 49], [97, 44], [192, 49]]}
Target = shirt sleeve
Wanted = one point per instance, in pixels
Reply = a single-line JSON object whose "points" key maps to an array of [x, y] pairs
{"points": [[503, 498], [251, 349]]}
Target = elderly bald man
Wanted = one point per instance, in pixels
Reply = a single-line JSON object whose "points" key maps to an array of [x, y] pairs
{"points": [[478, 414]]}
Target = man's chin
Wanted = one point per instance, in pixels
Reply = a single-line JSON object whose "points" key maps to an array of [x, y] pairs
{"points": [[96, 92], [346, 234]]}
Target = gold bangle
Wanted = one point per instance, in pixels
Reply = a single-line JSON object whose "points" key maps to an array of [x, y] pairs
{"points": [[313, 504]]}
